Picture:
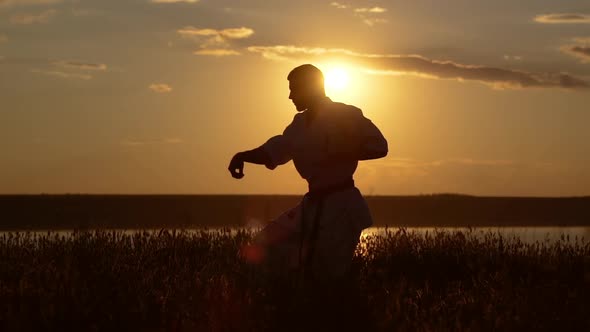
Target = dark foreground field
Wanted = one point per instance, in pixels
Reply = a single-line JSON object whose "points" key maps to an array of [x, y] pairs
{"points": [[178, 281]]}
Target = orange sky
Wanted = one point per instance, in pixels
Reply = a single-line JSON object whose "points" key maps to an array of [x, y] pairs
{"points": [[474, 97]]}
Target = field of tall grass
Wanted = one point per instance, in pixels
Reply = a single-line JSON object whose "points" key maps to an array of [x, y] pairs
{"points": [[196, 281]]}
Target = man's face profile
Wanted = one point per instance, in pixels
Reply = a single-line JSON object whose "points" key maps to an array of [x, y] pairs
{"points": [[306, 85], [302, 93], [299, 95]]}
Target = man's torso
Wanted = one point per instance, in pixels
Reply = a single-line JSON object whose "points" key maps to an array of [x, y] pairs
{"points": [[315, 140]]}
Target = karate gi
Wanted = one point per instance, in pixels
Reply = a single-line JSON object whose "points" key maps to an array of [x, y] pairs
{"points": [[322, 231]]}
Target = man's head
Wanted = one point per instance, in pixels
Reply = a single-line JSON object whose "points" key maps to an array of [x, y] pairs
{"points": [[306, 84]]}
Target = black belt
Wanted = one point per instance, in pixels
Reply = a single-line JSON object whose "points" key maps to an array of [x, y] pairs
{"points": [[325, 191], [317, 195]]}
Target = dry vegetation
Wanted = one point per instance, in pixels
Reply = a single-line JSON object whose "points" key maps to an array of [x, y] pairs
{"points": [[195, 281]]}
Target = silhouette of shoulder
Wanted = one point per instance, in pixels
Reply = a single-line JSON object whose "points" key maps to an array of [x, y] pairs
{"points": [[347, 113], [351, 109], [298, 117], [294, 123]]}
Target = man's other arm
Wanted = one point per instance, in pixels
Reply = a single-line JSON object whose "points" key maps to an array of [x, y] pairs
{"points": [[359, 140], [373, 144]]}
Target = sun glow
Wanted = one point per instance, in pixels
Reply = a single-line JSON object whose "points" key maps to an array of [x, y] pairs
{"points": [[343, 82], [336, 79]]}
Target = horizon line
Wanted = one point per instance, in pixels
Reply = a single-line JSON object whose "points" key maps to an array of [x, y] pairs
{"points": [[283, 194]]}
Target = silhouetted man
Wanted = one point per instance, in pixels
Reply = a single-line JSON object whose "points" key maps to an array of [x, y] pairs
{"points": [[325, 140]]}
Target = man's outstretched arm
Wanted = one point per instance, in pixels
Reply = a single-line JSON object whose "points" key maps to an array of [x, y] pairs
{"points": [[276, 151], [256, 156]]}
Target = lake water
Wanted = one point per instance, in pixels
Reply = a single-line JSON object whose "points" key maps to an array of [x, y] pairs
{"points": [[526, 234]]}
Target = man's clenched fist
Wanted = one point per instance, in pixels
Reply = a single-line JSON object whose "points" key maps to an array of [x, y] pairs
{"points": [[236, 166]]}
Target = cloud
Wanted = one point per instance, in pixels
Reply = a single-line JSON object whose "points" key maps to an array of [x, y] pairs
{"points": [[76, 69], [61, 74], [214, 42], [368, 15], [14, 3], [563, 18], [216, 52], [232, 33], [160, 88], [416, 65], [376, 10], [512, 57], [27, 18], [371, 21], [339, 5], [136, 143], [581, 50], [174, 1], [50, 64], [291, 52], [81, 65]]}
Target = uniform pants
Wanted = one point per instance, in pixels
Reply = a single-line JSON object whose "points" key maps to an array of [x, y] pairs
{"points": [[320, 235]]}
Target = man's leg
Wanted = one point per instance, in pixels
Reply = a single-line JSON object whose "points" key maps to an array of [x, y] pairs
{"points": [[276, 244], [334, 287]]}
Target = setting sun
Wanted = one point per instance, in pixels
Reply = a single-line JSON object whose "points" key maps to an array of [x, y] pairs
{"points": [[336, 79], [345, 82]]}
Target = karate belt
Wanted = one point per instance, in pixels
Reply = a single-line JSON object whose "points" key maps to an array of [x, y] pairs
{"points": [[317, 196]]}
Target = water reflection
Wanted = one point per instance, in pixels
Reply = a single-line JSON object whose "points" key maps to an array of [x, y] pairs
{"points": [[526, 234]]}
